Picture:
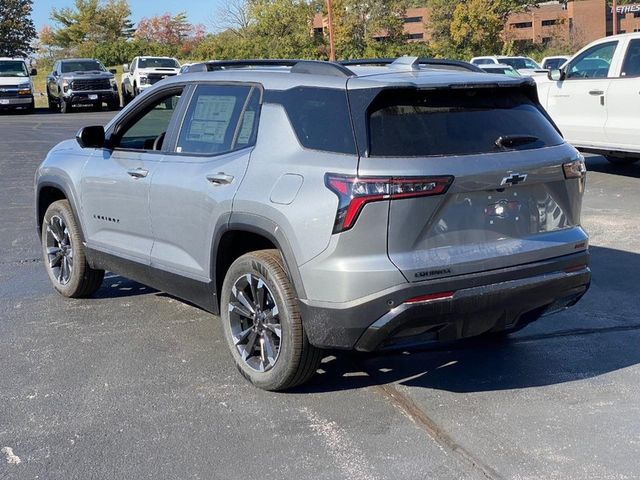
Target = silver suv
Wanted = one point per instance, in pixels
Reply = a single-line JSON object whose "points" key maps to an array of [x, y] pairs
{"points": [[315, 205]]}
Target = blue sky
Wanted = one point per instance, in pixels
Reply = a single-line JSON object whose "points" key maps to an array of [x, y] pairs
{"points": [[199, 11]]}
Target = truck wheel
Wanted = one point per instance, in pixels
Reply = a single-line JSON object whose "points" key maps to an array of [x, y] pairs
{"points": [[65, 107], [621, 160], [53, 105], [262, 323], [114, 104], [125, 96], [64, 255]]}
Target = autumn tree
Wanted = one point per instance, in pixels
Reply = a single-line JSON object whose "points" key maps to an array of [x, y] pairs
{"points": [[16, 28], [168, 29]]}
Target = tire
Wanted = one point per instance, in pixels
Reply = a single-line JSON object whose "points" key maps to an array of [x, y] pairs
{"points": [[125, 96], [65, 107], [114, 104], [64, 255], [53, 105], [621, 160], [292, 360]]}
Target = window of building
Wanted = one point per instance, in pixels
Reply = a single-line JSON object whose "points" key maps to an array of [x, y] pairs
{"points": [[548, 23], [415, 36], [412, 19], [522, 25]]}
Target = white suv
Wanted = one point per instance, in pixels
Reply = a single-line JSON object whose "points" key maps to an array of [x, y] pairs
{"points": [[145, 72], [595, 98]]}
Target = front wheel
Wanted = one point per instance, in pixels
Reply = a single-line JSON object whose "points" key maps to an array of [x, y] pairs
{"points": [[262, 323], [64, 255], [65, 106]]}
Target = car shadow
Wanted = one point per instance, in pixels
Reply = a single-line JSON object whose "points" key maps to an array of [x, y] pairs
{"points": [[548, 354], [115, 286], [597, 163]]}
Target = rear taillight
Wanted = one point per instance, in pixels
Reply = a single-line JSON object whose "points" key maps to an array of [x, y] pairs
{"points": [[575, 169], [355, 192]]}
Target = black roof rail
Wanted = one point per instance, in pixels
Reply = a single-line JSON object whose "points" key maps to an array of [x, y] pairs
{"points": [[317, 67], [417, 61]]}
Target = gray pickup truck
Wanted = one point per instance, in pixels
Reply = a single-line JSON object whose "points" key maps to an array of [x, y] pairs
{"points": [[80, 82]]}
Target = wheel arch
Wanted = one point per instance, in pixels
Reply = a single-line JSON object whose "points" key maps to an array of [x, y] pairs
{"points": [[49, 191], [246, 233]]}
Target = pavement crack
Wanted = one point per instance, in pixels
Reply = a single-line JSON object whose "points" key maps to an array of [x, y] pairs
{"points": [[426, 423]]}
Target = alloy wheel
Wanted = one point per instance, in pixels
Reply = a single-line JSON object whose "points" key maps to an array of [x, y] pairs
{"points": [[59, 249], [255, 323]]}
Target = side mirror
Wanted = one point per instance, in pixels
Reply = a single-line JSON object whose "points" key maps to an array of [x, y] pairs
{"points": [[91, 137], [125, 68], [34, 72], [556, 75], [113, 70]]}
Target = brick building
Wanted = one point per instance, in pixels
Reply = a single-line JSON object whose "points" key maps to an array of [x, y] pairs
{"points": [[579, 20]]}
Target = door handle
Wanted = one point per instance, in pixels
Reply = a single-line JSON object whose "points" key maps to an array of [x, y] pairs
{"points": [[138, 172], [220, 178], [596, 92]]}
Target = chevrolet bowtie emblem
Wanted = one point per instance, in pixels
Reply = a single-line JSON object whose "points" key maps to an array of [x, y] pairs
{"points": [[514, 179]]}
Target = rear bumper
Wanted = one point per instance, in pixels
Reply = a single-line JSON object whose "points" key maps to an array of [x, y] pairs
{"points": [[489, 301]]}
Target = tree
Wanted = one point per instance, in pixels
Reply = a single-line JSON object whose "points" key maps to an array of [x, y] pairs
{"points": [[468, 27], [17, 31], [282, 29], [232, 16], [368, 27], [167, 29], [91, 21]]}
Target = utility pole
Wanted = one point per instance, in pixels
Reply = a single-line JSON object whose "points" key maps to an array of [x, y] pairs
{"points": [[614, 11], [332, 42]]}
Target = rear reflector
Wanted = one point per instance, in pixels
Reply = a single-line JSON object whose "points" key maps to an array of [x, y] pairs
{"points": [[431, 297], [355, 192]]}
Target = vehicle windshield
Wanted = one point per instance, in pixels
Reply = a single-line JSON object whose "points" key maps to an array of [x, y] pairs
{"points": [[519, 63], [413, 123], [501, 70], [13, 68], [81, 66], [158, 63]]}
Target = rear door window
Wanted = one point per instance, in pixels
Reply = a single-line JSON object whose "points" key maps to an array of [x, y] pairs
{"points": [[413, 123], [219, 119], [631, 65]]}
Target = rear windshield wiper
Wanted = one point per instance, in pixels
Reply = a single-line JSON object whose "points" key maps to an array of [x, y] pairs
{"points": [[511, 141]]}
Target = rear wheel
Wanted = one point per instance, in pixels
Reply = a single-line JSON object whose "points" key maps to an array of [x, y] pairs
{"points": [[64, 254], [262, 323], [621, 160]]}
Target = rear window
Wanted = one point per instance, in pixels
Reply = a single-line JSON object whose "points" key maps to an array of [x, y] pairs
{"points": [[414, 123]]}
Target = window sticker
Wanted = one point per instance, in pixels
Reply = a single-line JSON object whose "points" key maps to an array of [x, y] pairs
{"points": [[211, 118], [247, 127]]}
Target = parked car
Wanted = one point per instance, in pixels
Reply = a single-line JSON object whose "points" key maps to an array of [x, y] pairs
{"points": [[594, 98], [549, 63], [143, 72], [16, 86], [184, 68], [318, 206], [81, 81], [500, 69], [524, 65]]}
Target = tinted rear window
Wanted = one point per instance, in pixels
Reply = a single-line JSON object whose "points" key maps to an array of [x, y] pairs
{"points": [[413, 123], [319, 116]]}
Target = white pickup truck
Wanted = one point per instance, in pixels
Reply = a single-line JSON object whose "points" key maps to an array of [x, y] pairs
{"points": [[143, 72], [595, 98]]}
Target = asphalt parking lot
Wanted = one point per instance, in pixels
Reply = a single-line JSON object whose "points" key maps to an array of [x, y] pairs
{"points": [[135, 384]]}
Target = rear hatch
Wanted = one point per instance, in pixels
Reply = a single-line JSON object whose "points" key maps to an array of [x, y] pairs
{"points": [[508, 201]]}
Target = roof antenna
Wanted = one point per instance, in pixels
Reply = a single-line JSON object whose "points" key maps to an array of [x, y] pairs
{"points": [[406, 63]]}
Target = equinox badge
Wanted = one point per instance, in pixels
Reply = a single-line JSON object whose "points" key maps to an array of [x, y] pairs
{"points": [[514, 179]]}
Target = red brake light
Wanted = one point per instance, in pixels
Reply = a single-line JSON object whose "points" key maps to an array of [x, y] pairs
{"points": [[354, 193]]}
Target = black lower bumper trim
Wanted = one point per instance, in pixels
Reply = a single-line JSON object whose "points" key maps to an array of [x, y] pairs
{"points": [[503, 299]]}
